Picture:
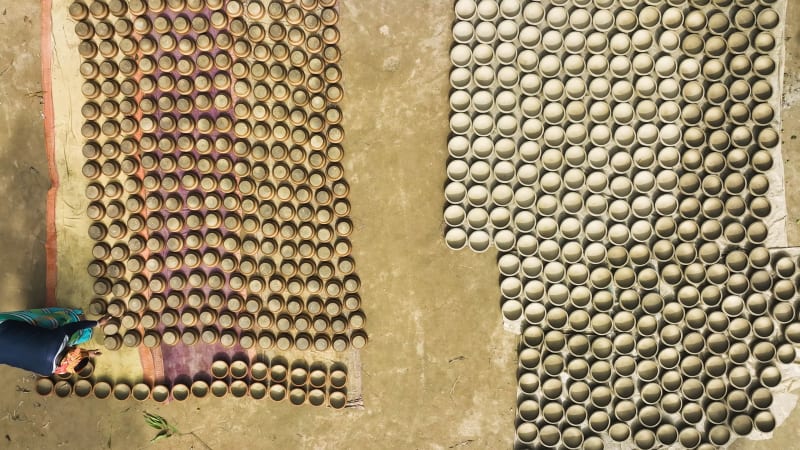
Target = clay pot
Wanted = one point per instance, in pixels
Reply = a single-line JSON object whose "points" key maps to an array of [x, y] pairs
{"points": [[160, 393], [141, 391], [121, 391], [180, 392], [102, 389]]}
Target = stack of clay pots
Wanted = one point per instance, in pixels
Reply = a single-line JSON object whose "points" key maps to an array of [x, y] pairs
{"points": [[616, 153], [213, 154]]}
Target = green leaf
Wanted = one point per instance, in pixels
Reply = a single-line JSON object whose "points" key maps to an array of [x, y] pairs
{"points": [[161, 435], [156, 422]]}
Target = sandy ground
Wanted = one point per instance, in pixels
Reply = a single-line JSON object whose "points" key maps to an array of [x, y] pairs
{"points": [[439, 370]]}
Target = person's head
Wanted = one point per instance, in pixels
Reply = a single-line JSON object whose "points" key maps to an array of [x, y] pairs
{"points": [[72, 361]]}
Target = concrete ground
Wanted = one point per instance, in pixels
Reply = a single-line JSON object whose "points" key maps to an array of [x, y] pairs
{"points": [[439, 370]]}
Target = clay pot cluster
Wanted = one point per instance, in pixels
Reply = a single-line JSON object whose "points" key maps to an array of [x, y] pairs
{"points": [[298, 382], [79, 384], [86, 384], [616, 153], [204, 232]]}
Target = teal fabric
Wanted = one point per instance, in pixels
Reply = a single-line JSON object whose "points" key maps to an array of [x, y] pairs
{"points": [[51, 318]]}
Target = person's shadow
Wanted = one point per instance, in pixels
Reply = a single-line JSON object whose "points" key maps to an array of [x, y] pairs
{"points": [[24, 182]]}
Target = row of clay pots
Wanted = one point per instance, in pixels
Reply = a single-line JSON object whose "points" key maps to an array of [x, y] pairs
{"points": [[477, 237], [697, 96], [293, 181], [204, 31], [671, 405], [315, 231], [507, 126], [241, 129], [295, 271], [320, 252], [614, 55], [697, 280], [328, 339], [313, 316], [506, 39], [595, 316], [308, 63], [504, 150], [551, 72], [625, 16], [295, 134], [258, 161], [679, 261], [488, 110], [723, 353], [256, 10], [689, 280], [298, 373], [310, 105], [313, 94], [231, 18], [216, 305], [299, 267], [636, 199], [306, 53], [642, 41], [189, 317], [553, 436], [293, 14], [644, 192], [674, 371], [319, 242], [315, 131], [310, 110], [626, 224], [210, 194], [625, 136], [288, 201], [620, 223], [293, 184], [482, 58], [766, 342], [305, 262], [199, 389], [291, 278]]}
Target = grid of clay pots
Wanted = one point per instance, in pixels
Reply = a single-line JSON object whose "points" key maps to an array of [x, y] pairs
{"points": [[213, 145], [615, 153], [316, 384]]}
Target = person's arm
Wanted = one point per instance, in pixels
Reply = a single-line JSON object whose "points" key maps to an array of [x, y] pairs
{"points": [[70, 328]]}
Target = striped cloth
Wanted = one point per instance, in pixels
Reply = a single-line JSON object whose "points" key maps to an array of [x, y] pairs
{"points": [[51, 318]]}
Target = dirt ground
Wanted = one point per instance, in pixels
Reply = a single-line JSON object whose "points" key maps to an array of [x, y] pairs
{"points": [[439, 369]]}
